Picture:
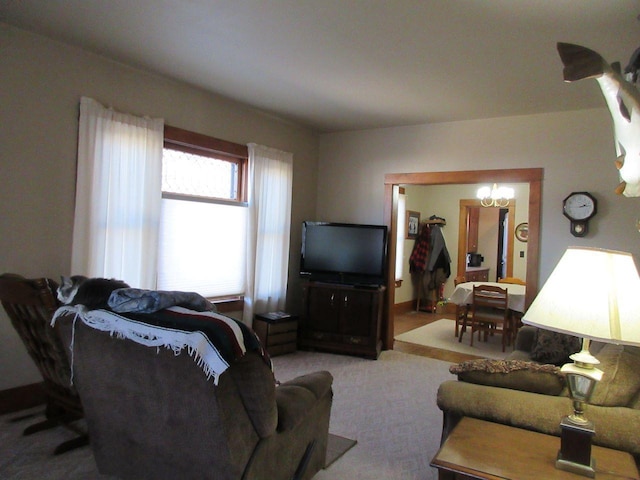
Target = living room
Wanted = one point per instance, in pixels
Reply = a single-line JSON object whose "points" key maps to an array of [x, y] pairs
{"points": [[338, 172]]}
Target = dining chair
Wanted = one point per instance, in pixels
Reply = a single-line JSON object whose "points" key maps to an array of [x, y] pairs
{"points": [[490, 313], [462, 311], [515, 318]]}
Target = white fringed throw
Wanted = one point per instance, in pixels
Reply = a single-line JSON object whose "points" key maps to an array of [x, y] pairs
{"points": [[198, 344]]}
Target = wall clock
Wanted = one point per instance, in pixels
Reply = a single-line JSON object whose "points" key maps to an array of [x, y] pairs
{"points": [[522, 232], [579, 207]]}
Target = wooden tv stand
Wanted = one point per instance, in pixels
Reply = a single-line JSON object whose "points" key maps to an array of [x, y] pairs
{"points": [[341, 319]]}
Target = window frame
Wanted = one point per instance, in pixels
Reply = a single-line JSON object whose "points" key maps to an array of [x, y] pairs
{"points": [[204, 145]]}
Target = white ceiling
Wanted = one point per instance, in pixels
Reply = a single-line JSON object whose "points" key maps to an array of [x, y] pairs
{"points": [[352, 64]]}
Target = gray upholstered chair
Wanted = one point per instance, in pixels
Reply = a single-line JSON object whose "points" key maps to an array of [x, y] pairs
{"points": [[30, 304], [153, 414]]}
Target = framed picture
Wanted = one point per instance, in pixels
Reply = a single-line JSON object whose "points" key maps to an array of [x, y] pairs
{"points": [[413, 224], [522, 232]]}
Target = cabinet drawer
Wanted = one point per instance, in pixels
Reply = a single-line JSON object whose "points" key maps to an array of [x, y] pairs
{"points": [[280, 338], [281, 349], [341, 338], [357, 340], [282, 327], [477, 276]]}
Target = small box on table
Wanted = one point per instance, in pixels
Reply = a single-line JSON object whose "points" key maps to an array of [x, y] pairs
{"points": [[278, 331]]}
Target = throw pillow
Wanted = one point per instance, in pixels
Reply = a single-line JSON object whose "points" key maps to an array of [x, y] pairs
{"points": [[620, 384], [514, 374], [553, 347]]}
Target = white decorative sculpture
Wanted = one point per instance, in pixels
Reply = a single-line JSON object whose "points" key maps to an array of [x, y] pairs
{"points": [[623, 100]]}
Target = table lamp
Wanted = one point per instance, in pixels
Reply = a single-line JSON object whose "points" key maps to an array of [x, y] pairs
{"points": [[594, 294]]}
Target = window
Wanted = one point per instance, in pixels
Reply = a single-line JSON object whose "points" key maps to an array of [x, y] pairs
{"points": [[401, 234], [202, 244]]}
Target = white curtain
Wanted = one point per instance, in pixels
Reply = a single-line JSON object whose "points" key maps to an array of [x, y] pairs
{"points": [[268, 229], [118, 195]]}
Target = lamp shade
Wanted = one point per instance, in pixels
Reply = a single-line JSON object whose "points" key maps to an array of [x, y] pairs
{"points": [[592, 293]]}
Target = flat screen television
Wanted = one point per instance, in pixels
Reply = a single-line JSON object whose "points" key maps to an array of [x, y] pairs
{"points": [[344, 253]]}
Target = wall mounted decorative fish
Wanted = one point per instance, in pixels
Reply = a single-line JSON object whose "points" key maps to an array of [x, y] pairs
{"points": [[623, 100]]}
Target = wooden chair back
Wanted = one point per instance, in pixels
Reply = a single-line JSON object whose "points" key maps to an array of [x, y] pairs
{"points": [[30, 305], [490, 312]]}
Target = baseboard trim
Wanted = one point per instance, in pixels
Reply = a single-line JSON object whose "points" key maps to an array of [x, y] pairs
{"points": [[20, 398], [404, 307]]}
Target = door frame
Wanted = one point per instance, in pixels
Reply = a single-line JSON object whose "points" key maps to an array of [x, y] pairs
{"points": [[392, 183]]}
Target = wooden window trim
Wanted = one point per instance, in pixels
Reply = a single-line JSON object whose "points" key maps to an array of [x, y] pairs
{"points": [[199, 144]]}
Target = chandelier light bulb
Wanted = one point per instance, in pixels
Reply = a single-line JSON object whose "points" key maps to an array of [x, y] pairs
{"points": [[495, 196]]}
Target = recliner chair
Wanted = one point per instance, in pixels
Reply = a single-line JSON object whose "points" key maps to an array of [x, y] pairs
{"points": [[154, 414]]}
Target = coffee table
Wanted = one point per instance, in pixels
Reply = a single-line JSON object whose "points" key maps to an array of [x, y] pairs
{"points": [[477, 449]]}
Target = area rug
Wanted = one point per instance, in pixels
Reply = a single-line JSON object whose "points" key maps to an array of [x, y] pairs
{"points": [[440, 334], [336, 447]]}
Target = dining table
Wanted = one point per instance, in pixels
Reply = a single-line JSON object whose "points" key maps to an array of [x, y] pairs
{"points": [[463, 294]]}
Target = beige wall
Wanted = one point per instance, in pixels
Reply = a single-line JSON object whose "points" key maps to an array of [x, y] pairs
{"points": [[41, 82], [576, 150]]}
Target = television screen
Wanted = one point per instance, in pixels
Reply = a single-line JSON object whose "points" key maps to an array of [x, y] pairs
{"points": [[344, 253]]}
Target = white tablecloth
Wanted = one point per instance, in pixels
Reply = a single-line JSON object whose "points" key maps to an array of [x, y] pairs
{"points": [[463, 294]]}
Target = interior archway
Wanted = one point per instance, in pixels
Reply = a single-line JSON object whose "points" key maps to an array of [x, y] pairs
{"points": [[392, 181]]}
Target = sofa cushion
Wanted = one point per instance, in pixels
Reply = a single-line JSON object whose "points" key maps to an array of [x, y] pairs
{"points": [[620, 384], [553, 347], [513, 374]]}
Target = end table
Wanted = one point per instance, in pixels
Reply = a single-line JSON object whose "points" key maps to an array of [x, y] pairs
{"points": [[477, 449], [278, 332]]}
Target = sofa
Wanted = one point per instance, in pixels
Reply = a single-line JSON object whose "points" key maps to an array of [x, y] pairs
{"points": [[523, 392], [161, 404]]}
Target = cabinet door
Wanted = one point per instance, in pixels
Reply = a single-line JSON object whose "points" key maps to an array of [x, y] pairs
{"points": [[472, 229], [356, 314], [323, 306]]}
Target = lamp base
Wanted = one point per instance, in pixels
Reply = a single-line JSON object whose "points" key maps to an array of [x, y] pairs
{"points": [[575, 448]]}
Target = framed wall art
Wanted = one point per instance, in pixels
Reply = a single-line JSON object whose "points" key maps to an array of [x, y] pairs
{"points": [[413, 224]]}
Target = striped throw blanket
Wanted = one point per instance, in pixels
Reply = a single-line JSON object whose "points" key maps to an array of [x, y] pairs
{"points": [[214, 341]]}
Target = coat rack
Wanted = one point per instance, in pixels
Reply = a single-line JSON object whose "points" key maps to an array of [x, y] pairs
{"points": [[435, 220], [435, 296], [441, 222]]}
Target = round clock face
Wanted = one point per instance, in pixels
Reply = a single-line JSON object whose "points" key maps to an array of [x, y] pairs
{"points": [[579, 206]]}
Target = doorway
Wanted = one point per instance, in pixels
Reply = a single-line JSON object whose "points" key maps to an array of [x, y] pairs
{"points": [[393, 181], [501, 250]]}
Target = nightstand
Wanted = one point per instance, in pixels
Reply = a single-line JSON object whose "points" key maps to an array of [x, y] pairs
{"points": [[278, 332]]}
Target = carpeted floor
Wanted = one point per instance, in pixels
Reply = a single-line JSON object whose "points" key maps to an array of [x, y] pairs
{"points": [[440, 334], [388, 406]]}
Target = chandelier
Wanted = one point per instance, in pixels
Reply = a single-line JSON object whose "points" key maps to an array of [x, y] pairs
{"points": [[495, 196]]}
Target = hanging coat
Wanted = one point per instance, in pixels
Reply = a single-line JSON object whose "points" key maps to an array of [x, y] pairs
{"points": [[439, 255], [420, 253]]}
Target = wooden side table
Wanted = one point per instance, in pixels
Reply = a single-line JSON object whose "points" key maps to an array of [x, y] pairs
{"points": [[477, 449], [277, 331]]}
